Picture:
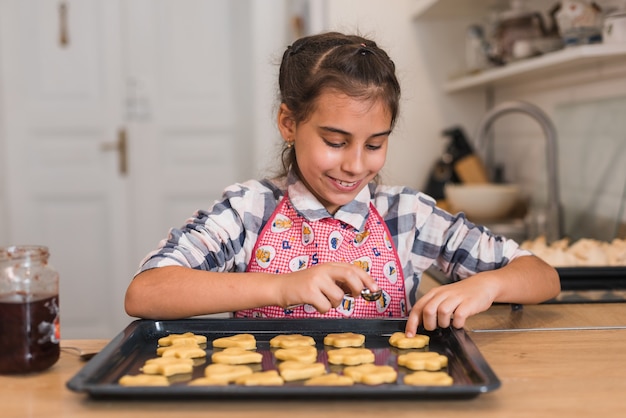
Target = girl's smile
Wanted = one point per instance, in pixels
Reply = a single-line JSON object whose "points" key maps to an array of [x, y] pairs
{"points": [[341, 147]]}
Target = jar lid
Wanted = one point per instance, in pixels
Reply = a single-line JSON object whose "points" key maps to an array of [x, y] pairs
{"points": [[17, 252]]}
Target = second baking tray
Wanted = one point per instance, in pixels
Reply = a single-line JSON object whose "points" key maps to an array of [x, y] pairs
{"points": [[592, 278], [126, 353]]}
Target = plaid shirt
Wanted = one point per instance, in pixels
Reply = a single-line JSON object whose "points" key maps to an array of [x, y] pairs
{"points": [[222, 237]]}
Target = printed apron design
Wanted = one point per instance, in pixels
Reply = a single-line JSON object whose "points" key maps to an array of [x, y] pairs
{"points": [[290, 243]]}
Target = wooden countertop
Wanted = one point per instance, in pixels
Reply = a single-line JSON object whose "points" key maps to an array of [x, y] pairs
{"points": [[553, 360]]}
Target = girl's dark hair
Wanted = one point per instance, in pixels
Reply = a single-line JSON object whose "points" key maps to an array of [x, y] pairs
{"points": [[351, 64]]}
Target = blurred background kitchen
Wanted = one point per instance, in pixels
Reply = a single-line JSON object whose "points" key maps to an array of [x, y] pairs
{"points": [[120, 118]]}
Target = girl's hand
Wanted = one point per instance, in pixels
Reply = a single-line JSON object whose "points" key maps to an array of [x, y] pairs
{"points": [[324, 285], [451, 304]]}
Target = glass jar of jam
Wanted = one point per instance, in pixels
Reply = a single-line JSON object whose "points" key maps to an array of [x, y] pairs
{"points": [[29, 310]]}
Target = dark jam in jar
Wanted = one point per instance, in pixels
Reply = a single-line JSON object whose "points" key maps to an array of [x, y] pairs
{"points": [[30, 348]]}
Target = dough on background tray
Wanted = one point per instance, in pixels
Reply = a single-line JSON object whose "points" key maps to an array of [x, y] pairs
{"points": [[585, 252]]}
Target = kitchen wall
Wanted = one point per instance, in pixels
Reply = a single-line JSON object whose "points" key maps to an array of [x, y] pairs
{"points": [[587, 106], [588, 110]]}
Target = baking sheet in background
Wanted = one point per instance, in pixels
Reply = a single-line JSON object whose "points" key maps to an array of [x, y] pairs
{"points": [[578, 284], [126, 353]]}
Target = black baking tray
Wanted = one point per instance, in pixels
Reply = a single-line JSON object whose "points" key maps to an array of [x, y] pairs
{"points": [[572, 278], [127, 352], [592, 278]]}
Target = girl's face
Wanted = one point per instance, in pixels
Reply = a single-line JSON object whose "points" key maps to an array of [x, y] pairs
{"points": [[341, 147]]}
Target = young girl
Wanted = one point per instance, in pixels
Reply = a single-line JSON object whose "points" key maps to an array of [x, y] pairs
{"points": [[306, 243]]}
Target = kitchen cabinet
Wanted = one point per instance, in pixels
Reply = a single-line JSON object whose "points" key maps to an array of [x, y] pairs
{"points": [[550, 64], [557, 62]]}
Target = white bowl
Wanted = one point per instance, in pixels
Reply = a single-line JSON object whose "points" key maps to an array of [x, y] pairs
{"points": [[482, 201]]}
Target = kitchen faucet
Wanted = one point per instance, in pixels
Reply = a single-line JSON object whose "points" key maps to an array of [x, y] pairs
{"points": [[554, 225]]}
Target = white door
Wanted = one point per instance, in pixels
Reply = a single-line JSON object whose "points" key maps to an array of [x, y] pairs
{"points": [[77, 75]]}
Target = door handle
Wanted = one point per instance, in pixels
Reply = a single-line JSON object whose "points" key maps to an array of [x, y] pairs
{"points": [[121, 147]]}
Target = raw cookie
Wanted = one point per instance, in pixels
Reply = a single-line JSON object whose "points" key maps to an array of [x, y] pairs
{"points": [[423, 378], [167, 366], [186, 338], [345, 339], [304, 354], [350, 356], [245, 341], [371, 374], [144, 380], [400, 340], [222, 374], [423, 360], [294, 370], [181, 351], [291, 340], [266, 378], [236, 355]]}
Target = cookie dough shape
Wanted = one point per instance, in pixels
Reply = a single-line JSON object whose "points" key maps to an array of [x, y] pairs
{"points": [[400, 340], [266, 378], [181, 351], [291, 340], [245, 341], [345, 339], [167, 366], [350, 356], [236, 355], [304, 354], [221, 374], [330, 379], [423, 378], [144, 380], [371, 374], [423, 360], [188, 338], [294, 370]]}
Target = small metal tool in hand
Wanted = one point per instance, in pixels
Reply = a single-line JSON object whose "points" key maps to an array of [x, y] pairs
{"points": [[370, 296]]}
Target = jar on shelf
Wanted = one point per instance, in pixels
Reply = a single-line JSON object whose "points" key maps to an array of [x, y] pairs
{"points": [[29, 308]]}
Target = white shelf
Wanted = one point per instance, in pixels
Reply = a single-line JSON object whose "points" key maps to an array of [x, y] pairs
{"points": [[567, 59], [438, 9]]}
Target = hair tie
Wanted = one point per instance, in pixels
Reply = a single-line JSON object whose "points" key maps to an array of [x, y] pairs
{"points": [[364, 50], [293, 50]]}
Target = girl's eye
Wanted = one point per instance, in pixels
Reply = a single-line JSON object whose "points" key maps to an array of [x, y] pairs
{"points": [[333, 144], [373, 147]]}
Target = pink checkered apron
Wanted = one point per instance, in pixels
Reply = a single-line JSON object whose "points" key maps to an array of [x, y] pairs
{"points": [[289, 243]]}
